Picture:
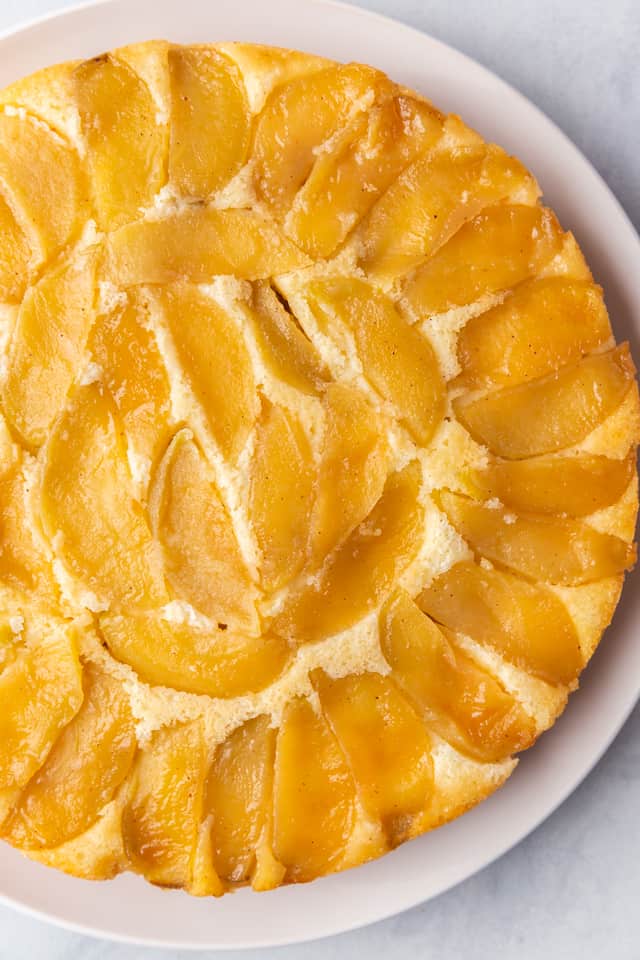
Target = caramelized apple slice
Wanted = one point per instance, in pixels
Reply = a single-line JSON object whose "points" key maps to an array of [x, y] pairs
{"points": [[131, 367], [281, 494], [217, 363], [88, 505], [149, 60], [46, 347], [496, 250], [399, 361], [553, 412], [285, 350], [270, 67], [386, 744], [460, 701], [239, 798], [95, 854], [126, 146], [46, 95], [353, 470], [299, 117], [202, 558], [554, 549], [314, 795], [432, 199], [24, 564], [210, 122], [42, 183], [362, 572], [83, 770], [575, 485], [15, 255], [160, 822], [197, 244], [215, 660], [204, 882], [541, 326], [346, 181], [40, 692], [525, 623]]}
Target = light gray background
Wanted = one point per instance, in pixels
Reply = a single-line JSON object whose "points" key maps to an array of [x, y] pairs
{"points": [[572, 889]]}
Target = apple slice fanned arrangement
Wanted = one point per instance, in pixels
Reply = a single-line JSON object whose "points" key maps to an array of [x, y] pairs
{"points": [[317, 466]]}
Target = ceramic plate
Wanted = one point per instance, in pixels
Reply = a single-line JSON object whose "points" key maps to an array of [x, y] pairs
{"points": [[127, 908]]}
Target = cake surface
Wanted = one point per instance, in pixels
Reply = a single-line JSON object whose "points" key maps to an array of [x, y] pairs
{"points": [[317, 465]]}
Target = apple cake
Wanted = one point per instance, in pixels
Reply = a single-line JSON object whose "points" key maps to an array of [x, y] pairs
{"points": [[317, 465]]}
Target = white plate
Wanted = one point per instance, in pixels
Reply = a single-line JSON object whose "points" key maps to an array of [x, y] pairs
{"points": [[129, 909]]}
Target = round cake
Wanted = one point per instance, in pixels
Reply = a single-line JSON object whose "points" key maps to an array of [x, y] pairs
{"points": [[317, 465]]}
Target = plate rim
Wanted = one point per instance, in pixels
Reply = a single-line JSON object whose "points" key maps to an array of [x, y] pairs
{"points": [[508, 842]]}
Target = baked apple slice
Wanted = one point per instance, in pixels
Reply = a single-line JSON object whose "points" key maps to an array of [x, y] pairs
{"points": [[299, 117], [556, 550], [574, 485], [285, 350], [314, 795], [42, 182], [362, 572], [81, 774], [398, 361], [239, 800], [162, 816], [24, 564], [214, 660], [386, 744], [47, 345], [198, 243], [210, 120], [552, 412], [202, 559], [353, 469], [525, 623], [89, 512], [432, 198], [497, 249], [459, 700], [131, 367], [216, 362], [281, 494], [126, 145], [40, 692], [541, 326], [347, 180]]}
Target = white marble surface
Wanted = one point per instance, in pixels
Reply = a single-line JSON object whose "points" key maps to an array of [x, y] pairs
{"points": [[571, 889]]}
